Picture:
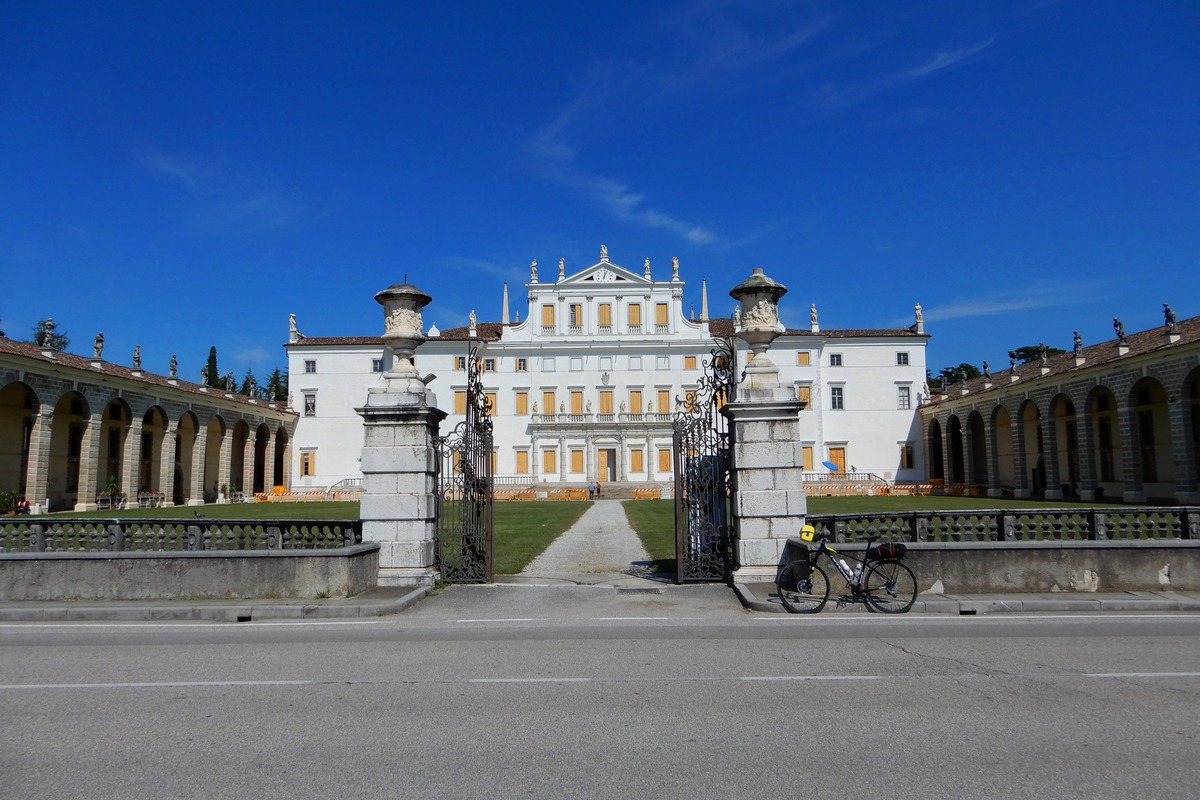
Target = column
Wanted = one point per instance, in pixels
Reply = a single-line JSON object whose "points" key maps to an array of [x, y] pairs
{"points": [[1131, 471], [196, 477], [1087, 453], [130, 457], [1049, 425], [89, 462], [166, 463], [1178, 409], [1021, 489], [37, 479], [248, 454], [225, 465]]}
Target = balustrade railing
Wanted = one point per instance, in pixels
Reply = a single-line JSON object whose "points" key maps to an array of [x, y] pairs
{"points": [[1011, 525], [66, 535]]}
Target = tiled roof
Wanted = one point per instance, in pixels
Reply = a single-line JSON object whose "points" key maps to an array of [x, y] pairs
{"points": [[35, 353], [1137, 344]]}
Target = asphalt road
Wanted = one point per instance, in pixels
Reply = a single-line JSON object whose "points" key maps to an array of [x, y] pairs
{"points": [[584, 692]]}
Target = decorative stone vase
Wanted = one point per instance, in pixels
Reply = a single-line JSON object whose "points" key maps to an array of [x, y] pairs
{"points": [[757, 321], [403, 326]]}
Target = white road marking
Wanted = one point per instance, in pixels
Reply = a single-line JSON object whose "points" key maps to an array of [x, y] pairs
{"points": [[152, 685], [529, 680], [1142, 674], [811, 678]]}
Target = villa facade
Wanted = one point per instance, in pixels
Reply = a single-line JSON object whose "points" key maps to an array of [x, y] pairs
{"points": [[584, 384]]}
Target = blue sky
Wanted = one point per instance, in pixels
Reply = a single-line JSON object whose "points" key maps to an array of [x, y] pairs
{"points": [[180, 175]]}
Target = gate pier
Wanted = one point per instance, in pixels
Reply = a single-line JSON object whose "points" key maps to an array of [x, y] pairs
{"points": [[768, 461], [399, 464]]}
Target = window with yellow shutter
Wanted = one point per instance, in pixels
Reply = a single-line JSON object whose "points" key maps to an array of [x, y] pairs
{"points": [[549, 462], [576, 461], [604, 311], [664, 460], [636, 460], [606, 404], [635, 317], [460, 402], [664, 401], [576, 402], [491, 401], [689, 362], [522, 403], [548, 403], [635, 401], [548, 316], [522, 462], [660, 314]]}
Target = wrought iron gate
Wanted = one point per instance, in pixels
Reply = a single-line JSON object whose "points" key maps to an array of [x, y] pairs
{"points": [[704, 489], [464, 488]]}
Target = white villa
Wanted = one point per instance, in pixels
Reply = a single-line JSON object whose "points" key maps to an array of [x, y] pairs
{"points": [[584, 384]]}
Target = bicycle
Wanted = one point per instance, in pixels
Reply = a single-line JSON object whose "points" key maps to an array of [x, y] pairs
{"points": [[879, 581]]}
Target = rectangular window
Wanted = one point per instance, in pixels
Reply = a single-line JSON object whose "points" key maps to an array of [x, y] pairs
{"points": [[604, 311], [576, 402], [689, 400], [460, 362], [637, 460], [376, 365], [664, 460], [837, 455], [460, 402], [489, 365], [660, 313], [804, 395], [548, 363], [310, 405], [548, 403], [836, 398], [522, 365], [605, 363], [491, 403], [635, 401], [835, 359], [664, 401], [576, 461], [803, 358], [906, 455], [548, 317], [904, 397], [522, 462], [901, 359], [635, 318], [807, 456], [664, 362], [635, 363], [522, 403], [576, 312], [576, 363], [606, 404], [549, 462], [310, 367], [308, 462], [689, 362]]}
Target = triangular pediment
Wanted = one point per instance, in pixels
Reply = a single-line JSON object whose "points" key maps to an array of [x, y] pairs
{"points": [[605, 272]]}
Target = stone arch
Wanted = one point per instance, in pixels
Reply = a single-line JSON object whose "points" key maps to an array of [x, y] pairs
{"points": [[18, 410], [186, 434], [1154, 467], [1066, 445], [1191, 426], [71, 415], [937, 463], [1003, 461], [977, 467], [150, 450], [237, 455], [262, 438], [214, 453], [958, 470], [114, 430], [280, 457], [1107, 453], [1030, 445]]}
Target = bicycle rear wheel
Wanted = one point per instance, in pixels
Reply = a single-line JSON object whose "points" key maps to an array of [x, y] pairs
{"points": [[803, 587], [890, 586]]}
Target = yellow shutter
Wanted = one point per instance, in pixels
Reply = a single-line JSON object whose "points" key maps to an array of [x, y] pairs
{"points": [[802, 358], [576, 314], [635, 461], [664, 460], [548, 403], [635, 314], [576, 461], [549, 465], [576, 402], [838, 456], [635, 401], [664, 401], [460, 402], [548, 316], [491, 399], [606, 314], [522, 403], [522, 462], [804, 394], [808, 457], [606, 406], [689, 362], [660, 313]]}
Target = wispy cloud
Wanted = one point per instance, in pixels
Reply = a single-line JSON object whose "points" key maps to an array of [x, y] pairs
{"points": [[227, 195], [1031, 298], [844, 96]]}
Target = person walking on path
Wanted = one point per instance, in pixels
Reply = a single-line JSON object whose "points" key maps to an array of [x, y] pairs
{"points": [[599, 541]]}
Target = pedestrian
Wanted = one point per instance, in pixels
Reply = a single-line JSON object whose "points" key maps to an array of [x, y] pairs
{"points": [[591, 489], [597, 488]]}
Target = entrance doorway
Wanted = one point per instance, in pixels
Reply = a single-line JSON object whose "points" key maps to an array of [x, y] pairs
{"points": [[606, 466]]}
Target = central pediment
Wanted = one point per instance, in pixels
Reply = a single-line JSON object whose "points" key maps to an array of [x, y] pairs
{"points": [[605, 272]]}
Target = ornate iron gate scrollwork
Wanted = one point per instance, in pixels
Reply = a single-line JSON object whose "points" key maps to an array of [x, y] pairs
{"points": [[704, 487], [464, 488]]}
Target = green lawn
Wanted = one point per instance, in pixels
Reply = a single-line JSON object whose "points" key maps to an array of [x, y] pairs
{"points": [[654, 523]]}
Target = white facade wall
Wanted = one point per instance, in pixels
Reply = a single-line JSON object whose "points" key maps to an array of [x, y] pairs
{"points": [[579, 360]]}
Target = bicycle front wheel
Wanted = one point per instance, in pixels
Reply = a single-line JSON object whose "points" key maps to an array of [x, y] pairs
{"points": [[803, 587], [890, 586]]}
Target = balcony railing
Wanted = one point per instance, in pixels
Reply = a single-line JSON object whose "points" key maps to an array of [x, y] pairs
{"points": [[583, 419]]}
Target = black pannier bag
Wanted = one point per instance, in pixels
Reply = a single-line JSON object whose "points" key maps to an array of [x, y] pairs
{"points": [[888, 550]]}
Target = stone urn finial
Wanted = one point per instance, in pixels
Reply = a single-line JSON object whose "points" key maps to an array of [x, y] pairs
{"points": [[759, 323], [402, 304]]}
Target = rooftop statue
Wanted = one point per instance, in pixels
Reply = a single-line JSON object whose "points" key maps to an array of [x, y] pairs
{"points": [[137, 356], [98, 345], [604, 252], [533, 271], [1119, 327], [674, 268]]}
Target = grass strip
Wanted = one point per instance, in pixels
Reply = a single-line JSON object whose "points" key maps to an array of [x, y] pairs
{"points": [[654, 523], [523, 529]]}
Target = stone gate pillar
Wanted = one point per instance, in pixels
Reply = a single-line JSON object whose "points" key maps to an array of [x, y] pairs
{"points": [[399, 463], [770, 504]]}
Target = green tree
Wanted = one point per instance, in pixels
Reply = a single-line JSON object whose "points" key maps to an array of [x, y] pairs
{"points": [[962, 372], [277, 386], [211, 376], [249, 385], [1032, 352], [45, 334]]}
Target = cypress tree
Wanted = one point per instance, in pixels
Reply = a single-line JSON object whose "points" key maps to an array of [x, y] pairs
{"points": [[213, 377]]}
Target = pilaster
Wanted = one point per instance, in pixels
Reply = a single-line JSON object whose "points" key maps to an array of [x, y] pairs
{"points": [[89, 460]]}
